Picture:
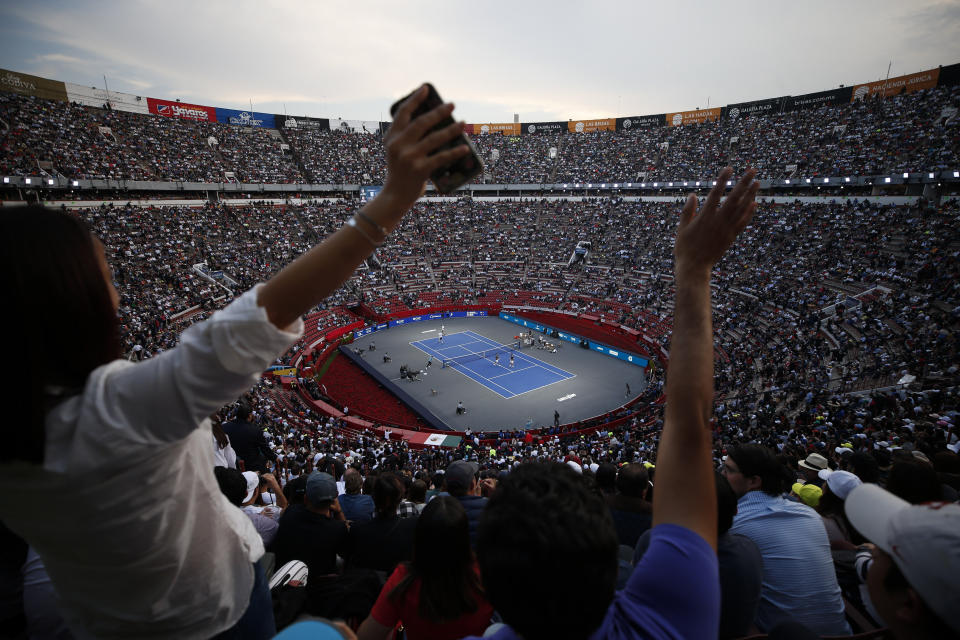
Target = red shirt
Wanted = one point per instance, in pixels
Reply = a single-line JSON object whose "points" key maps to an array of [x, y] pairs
{"points": [[388, 613]]}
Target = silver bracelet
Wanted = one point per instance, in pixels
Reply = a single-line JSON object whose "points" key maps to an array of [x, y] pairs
{"points": [[373, 224], [353, 223]]}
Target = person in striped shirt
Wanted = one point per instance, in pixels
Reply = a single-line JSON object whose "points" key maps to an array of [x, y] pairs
{"points": [[799, 581]]}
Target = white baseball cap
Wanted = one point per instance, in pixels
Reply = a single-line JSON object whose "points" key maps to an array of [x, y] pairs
{"points": [[840, 483], [923, 540], [253, 483]]}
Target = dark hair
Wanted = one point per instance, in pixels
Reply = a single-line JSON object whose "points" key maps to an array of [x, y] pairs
{"points": [[55, 291], [607, 477], [220, 435], [946, 462], [417, 492], [244, 411], [726, 505], [443, 562], [915, 482], [296, 490], [232, 484], [548, 552], [830, 504], [757, 460], [863, 465], [633, 480], [368, 483], [387, 493]]}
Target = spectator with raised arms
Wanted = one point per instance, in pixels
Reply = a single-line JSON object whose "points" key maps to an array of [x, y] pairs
{"points": [[166, 555]]}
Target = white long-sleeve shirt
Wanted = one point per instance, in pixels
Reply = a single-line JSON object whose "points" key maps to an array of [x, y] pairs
{"points": [[225, 457], [125, 511]]}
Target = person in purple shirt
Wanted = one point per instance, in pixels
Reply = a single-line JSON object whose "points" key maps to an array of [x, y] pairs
{"points": [[546, 545]]}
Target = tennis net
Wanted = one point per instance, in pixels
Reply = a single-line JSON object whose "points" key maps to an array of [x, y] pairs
{"points": [[489, 354]]}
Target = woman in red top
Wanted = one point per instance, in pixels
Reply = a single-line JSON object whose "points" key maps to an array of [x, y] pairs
{"points": [[438, 595]]}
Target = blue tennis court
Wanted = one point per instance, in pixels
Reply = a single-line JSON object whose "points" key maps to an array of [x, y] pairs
{"points": [[527, 373]]}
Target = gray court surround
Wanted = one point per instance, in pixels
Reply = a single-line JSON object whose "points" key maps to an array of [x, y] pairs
{"points": [[599, 385]]}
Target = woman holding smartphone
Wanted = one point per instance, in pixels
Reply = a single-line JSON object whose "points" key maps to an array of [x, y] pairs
{"points": [[106, 468]]}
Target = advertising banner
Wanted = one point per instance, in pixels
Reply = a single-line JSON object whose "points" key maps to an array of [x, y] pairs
{"points": [[641, 122], [543, 127], [357, 126], [757, 107], [94, 97], [622, 355], [504, 128], [408, 320], [364, 332], [949, 75], [818, 99], [692, 117], [301, 122], [895, 86], [245, 118], [589, 126], [169, 109], [27, 85]]}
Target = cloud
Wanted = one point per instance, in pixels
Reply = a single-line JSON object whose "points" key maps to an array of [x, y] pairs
{"points": [[59, 58], [569, 59]]}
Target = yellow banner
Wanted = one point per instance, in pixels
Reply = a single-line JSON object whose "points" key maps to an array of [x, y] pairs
{"points": [[291, 371], [693, 117], [505, 128], [894, 86], [589, 126], [25, 84]]}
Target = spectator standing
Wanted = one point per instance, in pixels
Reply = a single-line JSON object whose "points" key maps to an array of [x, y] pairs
{"points": [[543, 512], [248, 440], [167, 555], [223, 452]]}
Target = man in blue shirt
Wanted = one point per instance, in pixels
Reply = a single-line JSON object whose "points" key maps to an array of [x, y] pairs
{"points": [[547, 547], [357, 507], [799, 580]]}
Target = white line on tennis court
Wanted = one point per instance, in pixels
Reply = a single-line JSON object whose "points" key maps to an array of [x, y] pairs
{"points": [[509, 371]]}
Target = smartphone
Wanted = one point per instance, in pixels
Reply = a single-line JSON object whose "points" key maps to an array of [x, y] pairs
{"points": [[446, 179]]}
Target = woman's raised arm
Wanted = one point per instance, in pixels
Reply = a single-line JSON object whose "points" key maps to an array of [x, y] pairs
{"points": [[319, 272]]}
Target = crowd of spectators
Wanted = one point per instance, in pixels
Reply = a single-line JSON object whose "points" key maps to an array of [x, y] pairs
{"points": [[822, 315], [81, 142], [835, 346], [335, 157], [904, 133]]}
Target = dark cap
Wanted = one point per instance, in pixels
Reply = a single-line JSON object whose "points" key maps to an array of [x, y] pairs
{"points": [[460, 475], [321, 487]]}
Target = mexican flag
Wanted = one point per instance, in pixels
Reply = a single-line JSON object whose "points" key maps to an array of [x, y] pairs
{"points": [[435, 439]]}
